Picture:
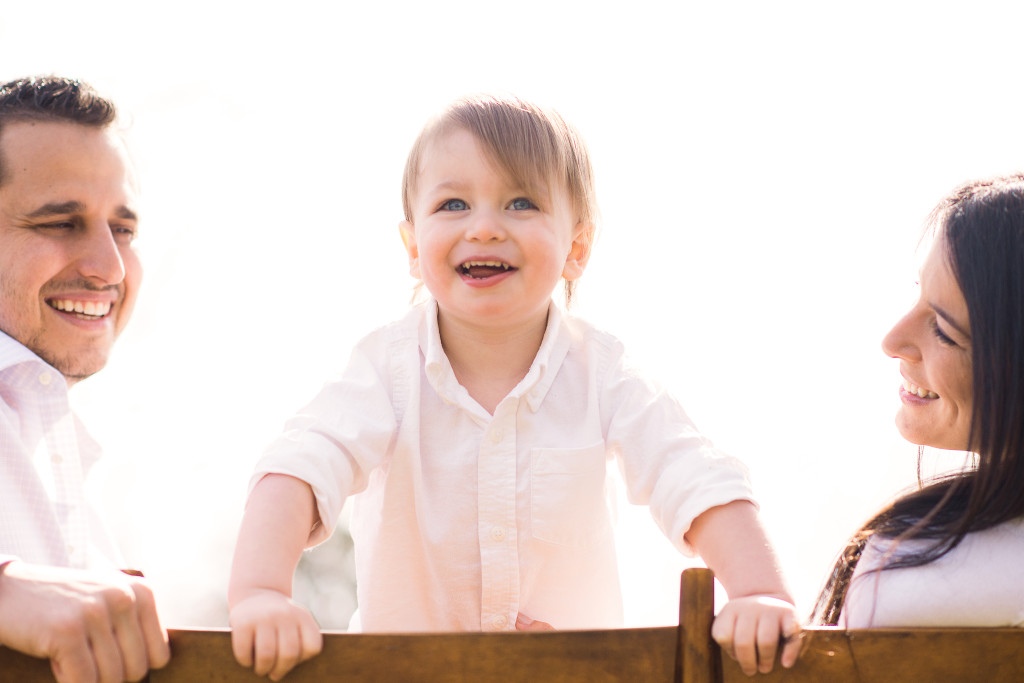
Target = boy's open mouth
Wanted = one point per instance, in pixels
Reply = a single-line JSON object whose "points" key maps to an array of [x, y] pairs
{"points": [[479, 270]]}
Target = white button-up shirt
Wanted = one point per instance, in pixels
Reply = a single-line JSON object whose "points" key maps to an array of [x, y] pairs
{"points": [[45, 454], [977, 583], [465, 519]]}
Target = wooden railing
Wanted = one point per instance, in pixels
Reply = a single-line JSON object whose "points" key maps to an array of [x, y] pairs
{"points": [[684, 654]]}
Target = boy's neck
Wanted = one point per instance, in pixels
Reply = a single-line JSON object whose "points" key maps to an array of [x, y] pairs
{"points": [[489, 362]]}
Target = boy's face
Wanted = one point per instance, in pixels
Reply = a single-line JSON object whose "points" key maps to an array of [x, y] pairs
{"points": [[489, 251]]}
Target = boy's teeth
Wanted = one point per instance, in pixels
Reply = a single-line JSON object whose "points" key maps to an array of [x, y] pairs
{"points": [[918, 391], [489, 264], [483, 269]]}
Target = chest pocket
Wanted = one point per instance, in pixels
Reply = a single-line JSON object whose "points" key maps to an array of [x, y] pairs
{"points": [[568, 497]]}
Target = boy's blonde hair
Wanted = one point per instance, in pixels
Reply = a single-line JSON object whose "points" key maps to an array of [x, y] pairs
{"points": [[534, 145]]}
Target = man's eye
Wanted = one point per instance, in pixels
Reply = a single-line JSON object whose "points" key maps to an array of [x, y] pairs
{"points": [[521, 204], [454, 205], [59, 225]]}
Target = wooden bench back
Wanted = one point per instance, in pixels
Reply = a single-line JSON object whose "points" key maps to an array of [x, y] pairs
{"points": [[668, 654]]}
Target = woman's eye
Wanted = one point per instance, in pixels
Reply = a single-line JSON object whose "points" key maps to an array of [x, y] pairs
{"points": [[454, 205], [942, 336], [521, 204]]}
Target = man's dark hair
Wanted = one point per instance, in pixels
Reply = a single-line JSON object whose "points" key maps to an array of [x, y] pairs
{"points": [[53, 99]]}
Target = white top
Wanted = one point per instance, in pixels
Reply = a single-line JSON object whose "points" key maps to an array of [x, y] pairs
{"points": [[978, 583], [466, 519], [45, 454]]}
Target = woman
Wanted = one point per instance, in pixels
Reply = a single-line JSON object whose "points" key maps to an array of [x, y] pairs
{"points": [[950, 552]]}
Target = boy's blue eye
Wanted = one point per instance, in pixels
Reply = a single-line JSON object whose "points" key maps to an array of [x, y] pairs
{"points": [[521, 204], [454, 205]]}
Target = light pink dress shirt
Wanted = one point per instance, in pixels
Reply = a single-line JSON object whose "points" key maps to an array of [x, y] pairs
{"points": [[45, 454], [465, 519]]}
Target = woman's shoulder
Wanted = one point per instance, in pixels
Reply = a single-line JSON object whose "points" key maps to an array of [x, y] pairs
{"points": [[975, 584]]}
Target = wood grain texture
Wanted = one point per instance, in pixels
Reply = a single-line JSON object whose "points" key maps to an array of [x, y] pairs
{"points": [[685, 654]]}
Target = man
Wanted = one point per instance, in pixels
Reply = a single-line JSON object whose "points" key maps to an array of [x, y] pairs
{"points": [[68, 280]]}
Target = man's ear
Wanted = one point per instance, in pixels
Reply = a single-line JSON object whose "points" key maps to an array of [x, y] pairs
{"points": [[579, 252], [408, 232]]}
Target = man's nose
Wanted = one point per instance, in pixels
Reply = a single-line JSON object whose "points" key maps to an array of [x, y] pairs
{"points": [[98, 256]]}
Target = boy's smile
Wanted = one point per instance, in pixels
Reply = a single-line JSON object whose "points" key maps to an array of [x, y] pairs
{"points": [[490, 251], [484, 273]]}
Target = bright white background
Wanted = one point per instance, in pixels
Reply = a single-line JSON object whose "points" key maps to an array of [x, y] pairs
{"points": [[764, 170]]}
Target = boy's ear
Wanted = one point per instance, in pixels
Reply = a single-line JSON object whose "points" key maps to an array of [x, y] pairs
{"points": [[408, 233], [579, 253]]}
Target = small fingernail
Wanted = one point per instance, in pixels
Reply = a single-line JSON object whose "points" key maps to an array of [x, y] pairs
{"points": [[523, 620]]}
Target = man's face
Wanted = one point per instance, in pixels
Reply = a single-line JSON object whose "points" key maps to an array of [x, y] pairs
{"points": [[68, 271]]}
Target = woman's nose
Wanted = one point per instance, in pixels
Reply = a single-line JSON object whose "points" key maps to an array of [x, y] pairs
{"points": [[900, 341]]}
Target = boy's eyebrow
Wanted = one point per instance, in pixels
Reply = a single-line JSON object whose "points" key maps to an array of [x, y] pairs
{"points": [[447, 185], [950, 321]]}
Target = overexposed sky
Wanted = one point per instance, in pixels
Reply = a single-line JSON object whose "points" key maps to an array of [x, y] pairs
{"points": [[763, 172]]}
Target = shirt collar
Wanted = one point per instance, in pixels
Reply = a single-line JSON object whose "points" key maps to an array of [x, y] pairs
{"points": [[553, 349], [14, 354]]}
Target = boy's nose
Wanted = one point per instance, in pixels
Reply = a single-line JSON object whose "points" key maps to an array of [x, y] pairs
{"points": [[485, 226]]}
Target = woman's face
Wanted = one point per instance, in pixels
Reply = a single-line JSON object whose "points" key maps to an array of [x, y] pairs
{"points": [[933, 344]]}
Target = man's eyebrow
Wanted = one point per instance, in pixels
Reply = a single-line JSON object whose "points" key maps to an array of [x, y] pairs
{"points": [[126, 213], [63, 208], [950, 321], [56, 209]]}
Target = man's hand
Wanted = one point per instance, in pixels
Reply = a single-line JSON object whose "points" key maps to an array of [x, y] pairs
{"points": [[272, 634], [93, 627]]}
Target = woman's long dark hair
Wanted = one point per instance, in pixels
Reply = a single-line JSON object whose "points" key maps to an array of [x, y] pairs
{"points": [[982, 224]]}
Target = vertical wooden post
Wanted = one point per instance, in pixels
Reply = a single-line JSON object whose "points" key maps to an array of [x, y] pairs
{"points": [[697, 651]]}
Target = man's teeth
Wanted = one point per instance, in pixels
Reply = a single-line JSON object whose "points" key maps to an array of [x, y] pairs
{"points": [[96, 309], [918, 391]]}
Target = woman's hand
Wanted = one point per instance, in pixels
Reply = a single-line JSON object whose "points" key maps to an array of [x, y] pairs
{"points": [[750, 630], [272, 635]]}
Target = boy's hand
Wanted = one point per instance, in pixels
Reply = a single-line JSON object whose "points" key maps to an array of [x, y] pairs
{"points": [[750, 629], [272, 634], [525, 623]]}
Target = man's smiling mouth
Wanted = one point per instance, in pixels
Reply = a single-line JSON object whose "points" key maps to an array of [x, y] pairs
{"points": [[483, 269], [84, 310]]}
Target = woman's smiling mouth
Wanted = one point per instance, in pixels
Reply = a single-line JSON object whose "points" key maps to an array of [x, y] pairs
{"points": [[920, 392]]}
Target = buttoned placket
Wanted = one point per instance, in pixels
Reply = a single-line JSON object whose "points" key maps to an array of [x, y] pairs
{"points": [[499, 547], [65, 469]]}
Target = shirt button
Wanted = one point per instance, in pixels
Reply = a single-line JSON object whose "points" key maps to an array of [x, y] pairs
{"points": [[496, 435], [45, 378], [498, 533], [56, 459], [500, 622]]}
